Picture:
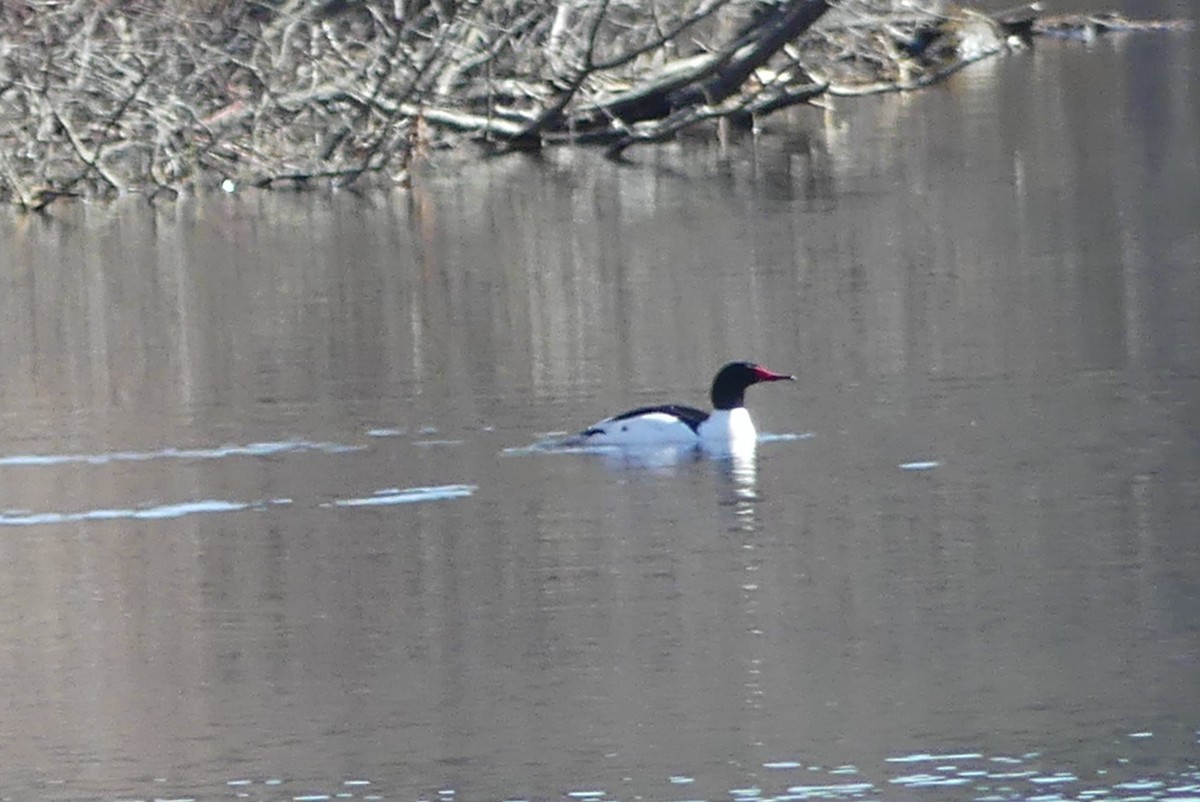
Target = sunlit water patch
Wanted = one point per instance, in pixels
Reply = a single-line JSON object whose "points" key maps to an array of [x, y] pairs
{"points": [[965, 775], [1028, 778], [833, 791], [264, 449], [927, 758], [933, 777], [275, 790]]}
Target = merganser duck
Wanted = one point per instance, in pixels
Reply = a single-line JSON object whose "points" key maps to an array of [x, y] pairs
{"points": [[676, 424]]}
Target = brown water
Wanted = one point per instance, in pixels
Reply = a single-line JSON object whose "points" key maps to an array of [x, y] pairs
{"points": [[270, 529]]}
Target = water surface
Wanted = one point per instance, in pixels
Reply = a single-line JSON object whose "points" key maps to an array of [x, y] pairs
{"points": [[270, 529]]}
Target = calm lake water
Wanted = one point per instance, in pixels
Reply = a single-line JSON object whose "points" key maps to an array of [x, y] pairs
{"points": [[271, 529]]}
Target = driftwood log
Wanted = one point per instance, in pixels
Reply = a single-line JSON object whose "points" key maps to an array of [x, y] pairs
{"points": [[107, 97]]}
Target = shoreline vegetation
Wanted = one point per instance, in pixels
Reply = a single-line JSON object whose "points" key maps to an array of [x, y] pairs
{"points": [[159, 97]]}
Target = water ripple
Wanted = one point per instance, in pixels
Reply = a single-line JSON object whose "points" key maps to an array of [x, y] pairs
{"points": [[944, 781], [220, 452], [924, 757], [833, 791], [560, 443], [180, 509], [406, 496], [159, 512], [784, 437]]}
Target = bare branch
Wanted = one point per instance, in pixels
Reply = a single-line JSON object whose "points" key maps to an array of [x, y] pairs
{"points": [[115, 97]]}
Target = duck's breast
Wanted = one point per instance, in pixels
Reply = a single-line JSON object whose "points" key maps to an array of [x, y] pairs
{"points": [[728, 425]]}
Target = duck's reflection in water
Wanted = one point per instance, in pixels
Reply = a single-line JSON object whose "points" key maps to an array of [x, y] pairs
{"points": [[737, 485], [654, 458]]}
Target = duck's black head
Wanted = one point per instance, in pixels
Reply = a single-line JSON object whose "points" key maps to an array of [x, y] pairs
{"points": [[729, 386]]}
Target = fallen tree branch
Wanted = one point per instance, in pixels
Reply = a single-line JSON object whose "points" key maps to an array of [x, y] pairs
{"points": [[103, 100], [552, 116], [789, 21]]}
